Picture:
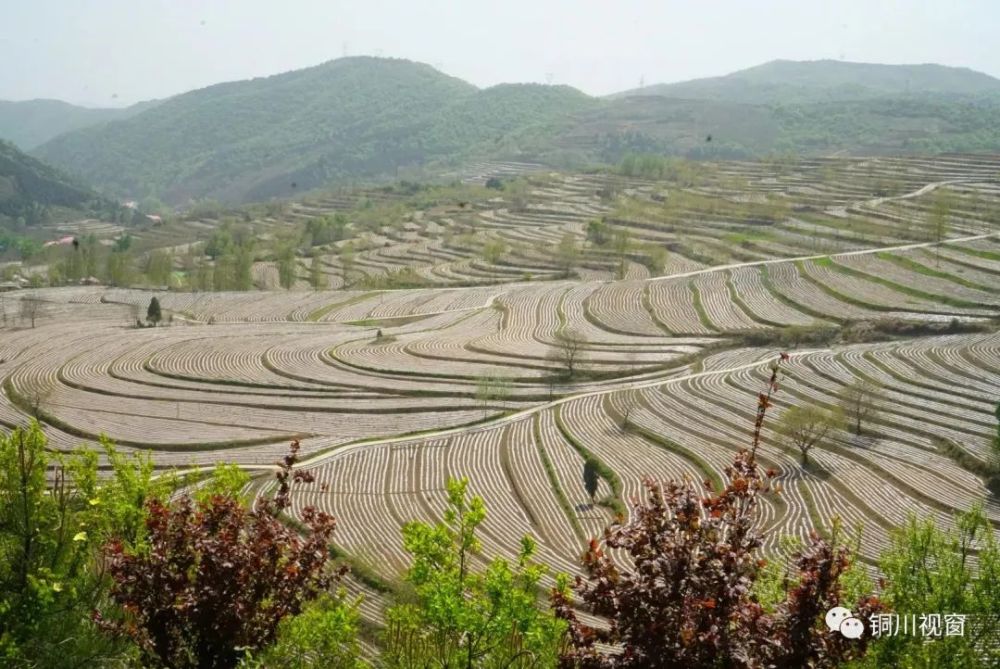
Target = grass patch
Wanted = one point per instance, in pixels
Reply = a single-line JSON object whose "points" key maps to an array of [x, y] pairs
{"points": [[56, 422], [765, 278], [814, 517], [672, 446], [362, 571], [906, 290], [388, 322], [648, 306], [614, 500], [963, 458], [920, 268], [323, 311], [550, 471], [738, 301], [979, 253], [700, 308]]}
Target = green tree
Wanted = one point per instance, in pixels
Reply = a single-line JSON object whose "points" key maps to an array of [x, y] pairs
{"points": [[287, 266], [317, 278], [153, 312], [461, 617], [323, 636], [656, 259], [159, 267], [491, 388], [55, 513], [591, 478], [224, 271], [621, 243], [598, 232], [929, 571], [347, 262], [220, 242], [567, 253], [805, 427], [516, 194], [939, 219], [494, 250], [122, 244], [243, 268], [119, 268]]}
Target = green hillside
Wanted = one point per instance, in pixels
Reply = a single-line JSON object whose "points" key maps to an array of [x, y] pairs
{"points": [[349, 118], [33, 122], [362, 118], [27, 186], [786, 81]]}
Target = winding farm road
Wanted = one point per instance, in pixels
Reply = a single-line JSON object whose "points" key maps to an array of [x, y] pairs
{"points": [[511, 418], [514, 417]]}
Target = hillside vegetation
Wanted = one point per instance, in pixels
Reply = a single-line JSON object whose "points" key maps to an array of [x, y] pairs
{"points": [[363, 118], [26, 185], [354, 117], [788, 81], [30, 123]]}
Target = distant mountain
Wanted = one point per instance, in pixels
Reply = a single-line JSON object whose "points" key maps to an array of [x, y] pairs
{"points": [[27, 184], [34, 122], [788, 81], [353, 117], [361, 118]]}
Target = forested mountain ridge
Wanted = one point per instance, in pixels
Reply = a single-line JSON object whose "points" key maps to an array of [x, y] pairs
{"points": [[361, 118], [353, 117], [27, 186], [30, 123], [787, 81]]}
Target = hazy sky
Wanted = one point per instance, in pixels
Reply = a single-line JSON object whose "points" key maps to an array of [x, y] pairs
{"points": [[113, 52]]}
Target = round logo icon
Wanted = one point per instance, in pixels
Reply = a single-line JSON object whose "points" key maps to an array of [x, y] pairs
{"points": [[835, 616], [852, 628]]}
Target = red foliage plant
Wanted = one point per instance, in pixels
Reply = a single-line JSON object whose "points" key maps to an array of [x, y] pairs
{"points": [[215, 577], [688, 600]]}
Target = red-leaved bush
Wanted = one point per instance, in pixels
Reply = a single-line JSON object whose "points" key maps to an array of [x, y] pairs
{"points": [[215, 578], [688, 601]]}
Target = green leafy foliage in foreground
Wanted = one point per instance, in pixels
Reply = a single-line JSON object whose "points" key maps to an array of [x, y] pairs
{"points": [[464, 615], [929, 571], [199, 578], [55, 515]]}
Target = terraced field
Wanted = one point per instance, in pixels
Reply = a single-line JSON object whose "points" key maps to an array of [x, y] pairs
{"points": [[674, 328]]}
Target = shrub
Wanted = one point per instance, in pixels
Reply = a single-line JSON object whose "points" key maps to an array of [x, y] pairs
{"points": [[689, 599], [215, 579]]}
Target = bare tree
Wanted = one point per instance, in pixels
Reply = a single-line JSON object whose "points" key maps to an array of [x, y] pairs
{"points": [[858, 402], [31, 309], [132, 315], [38, 397], [568, 351], [627, 411], [804, 427]]}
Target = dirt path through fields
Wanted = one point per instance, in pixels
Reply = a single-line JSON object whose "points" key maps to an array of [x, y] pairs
{"points": [[524, 413]]}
